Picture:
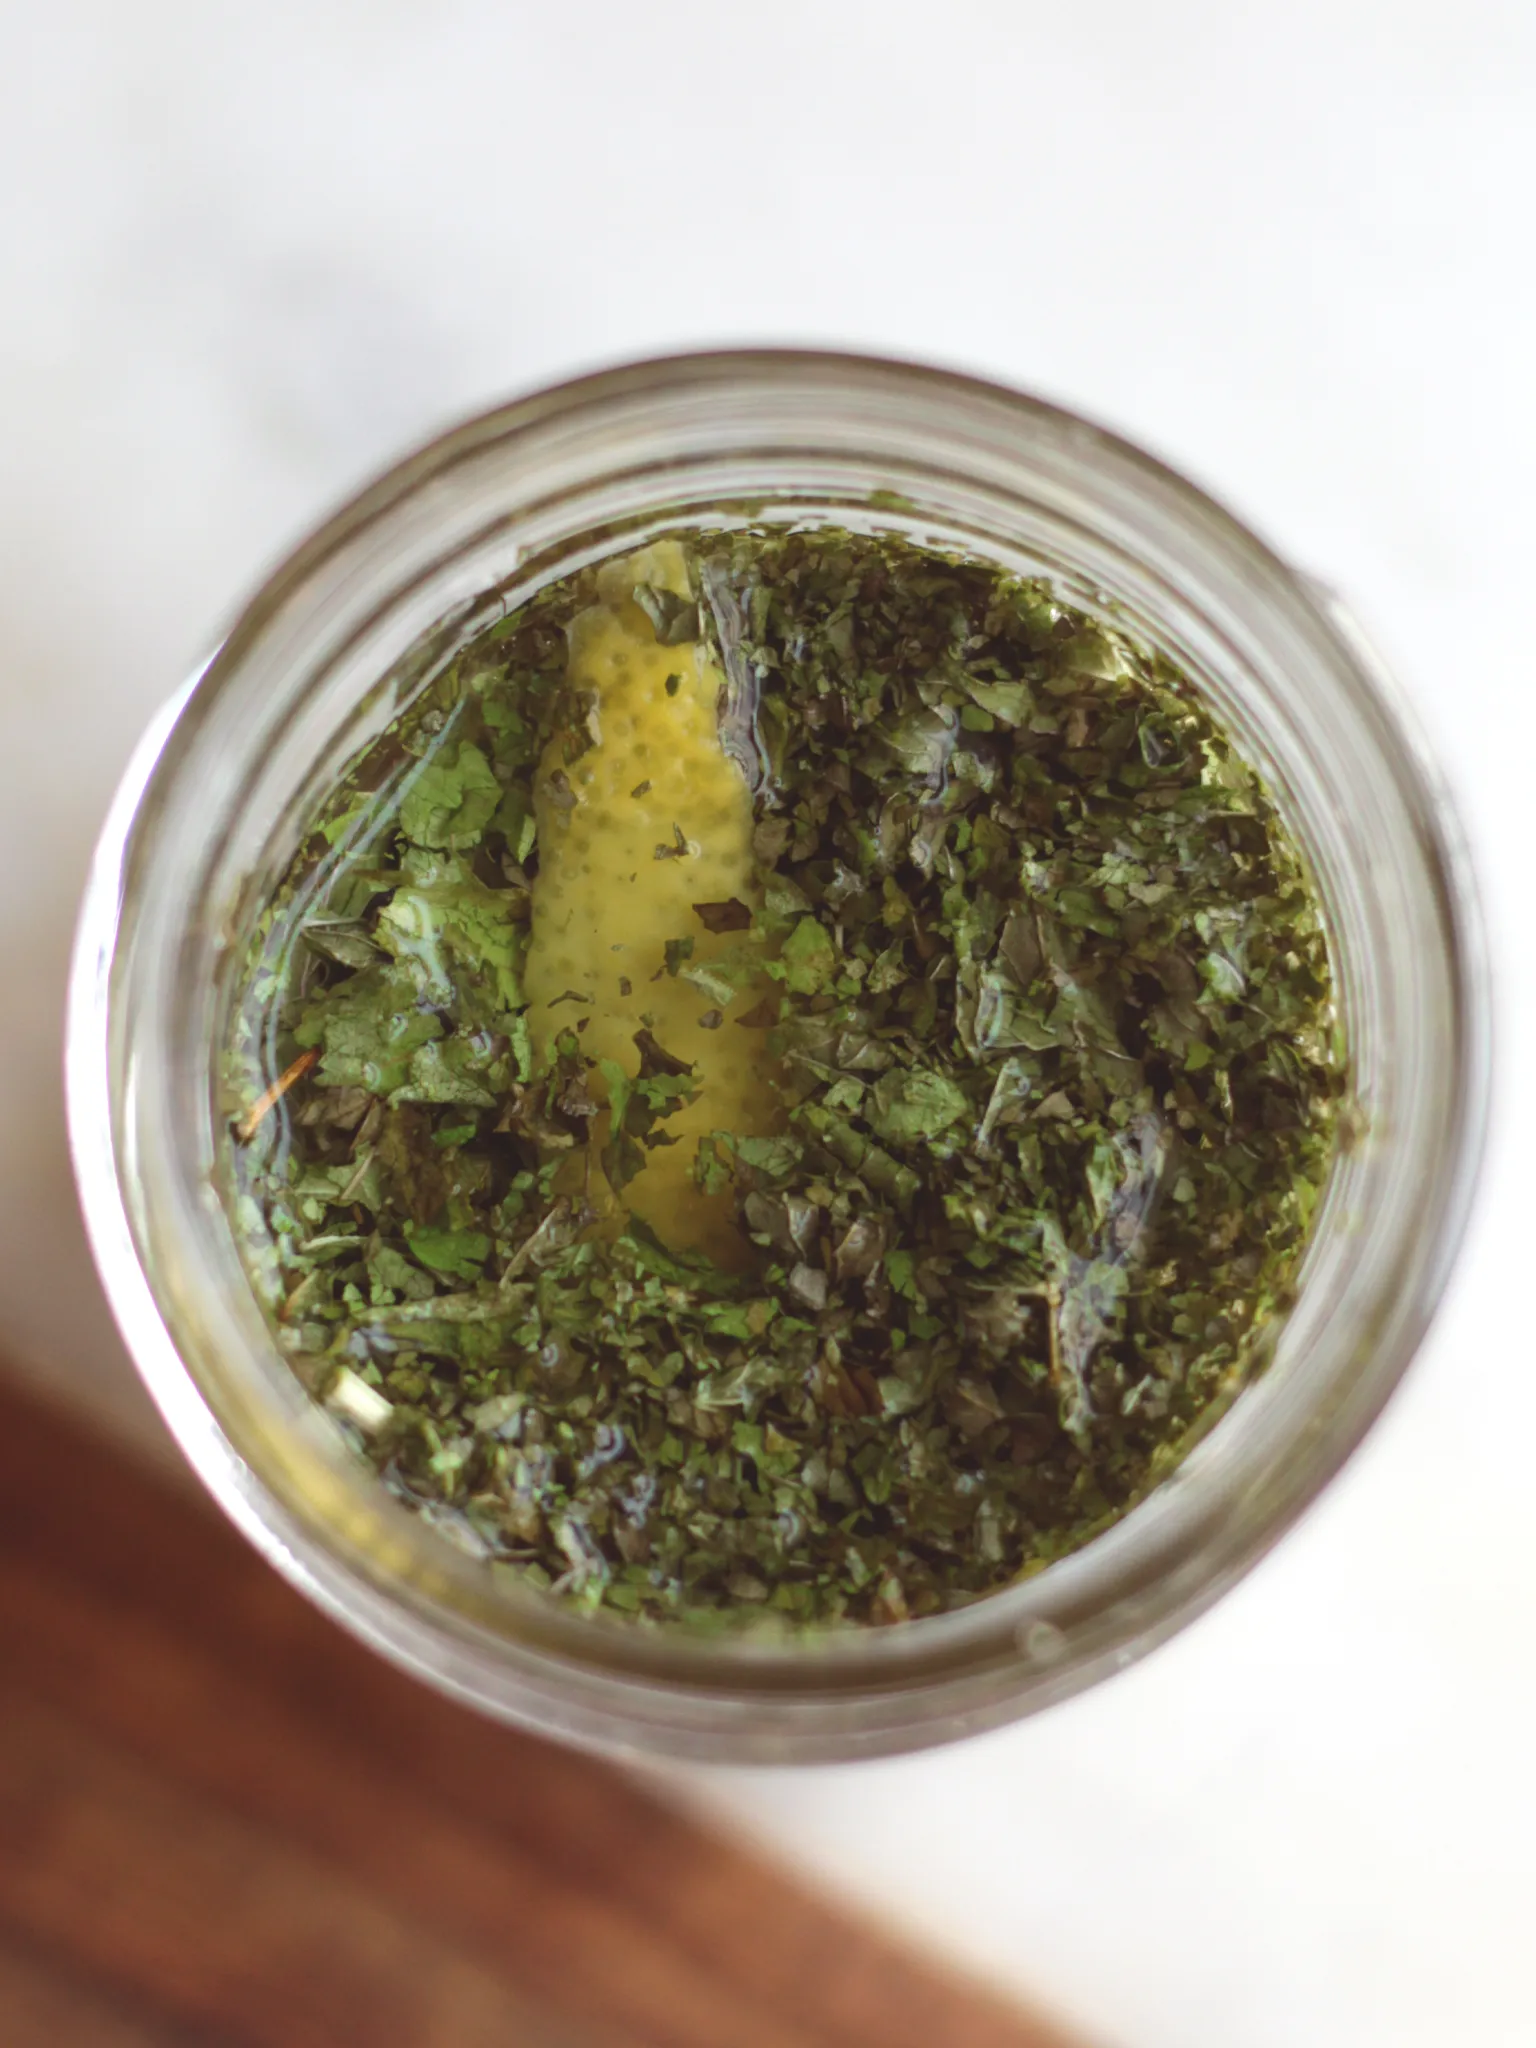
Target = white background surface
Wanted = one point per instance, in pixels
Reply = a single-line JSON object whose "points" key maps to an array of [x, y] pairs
{"points": [[246, 252]]}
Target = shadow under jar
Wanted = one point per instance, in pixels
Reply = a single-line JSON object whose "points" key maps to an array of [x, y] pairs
{"points": [[227, 785]]}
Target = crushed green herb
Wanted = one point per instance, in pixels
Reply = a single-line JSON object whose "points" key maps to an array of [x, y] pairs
{"points": [[1056, 1094]]}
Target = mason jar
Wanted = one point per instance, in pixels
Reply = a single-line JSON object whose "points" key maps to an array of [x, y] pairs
{"points": [[220, 795]]}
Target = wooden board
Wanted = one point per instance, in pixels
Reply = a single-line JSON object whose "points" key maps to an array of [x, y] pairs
{"points": [[221, 1821]]}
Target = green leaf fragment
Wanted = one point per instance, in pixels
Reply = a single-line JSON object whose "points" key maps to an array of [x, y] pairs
{"points": [[450, 804]]}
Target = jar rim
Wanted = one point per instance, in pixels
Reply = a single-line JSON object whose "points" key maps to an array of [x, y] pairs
{"points": [[869, 1690]]}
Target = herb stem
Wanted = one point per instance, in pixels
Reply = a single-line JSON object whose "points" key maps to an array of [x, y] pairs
{"points": [[360, 1174], [1053, 1329], [269, 1098]]}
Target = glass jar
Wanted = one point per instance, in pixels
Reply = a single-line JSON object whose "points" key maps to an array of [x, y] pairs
{"points": [[216, 801]]}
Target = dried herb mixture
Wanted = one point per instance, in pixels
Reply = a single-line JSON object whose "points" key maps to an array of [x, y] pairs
{"points": [[1046, 1084]]}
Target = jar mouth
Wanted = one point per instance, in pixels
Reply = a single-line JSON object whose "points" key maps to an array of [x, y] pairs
{"points": [[479, 518]]}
